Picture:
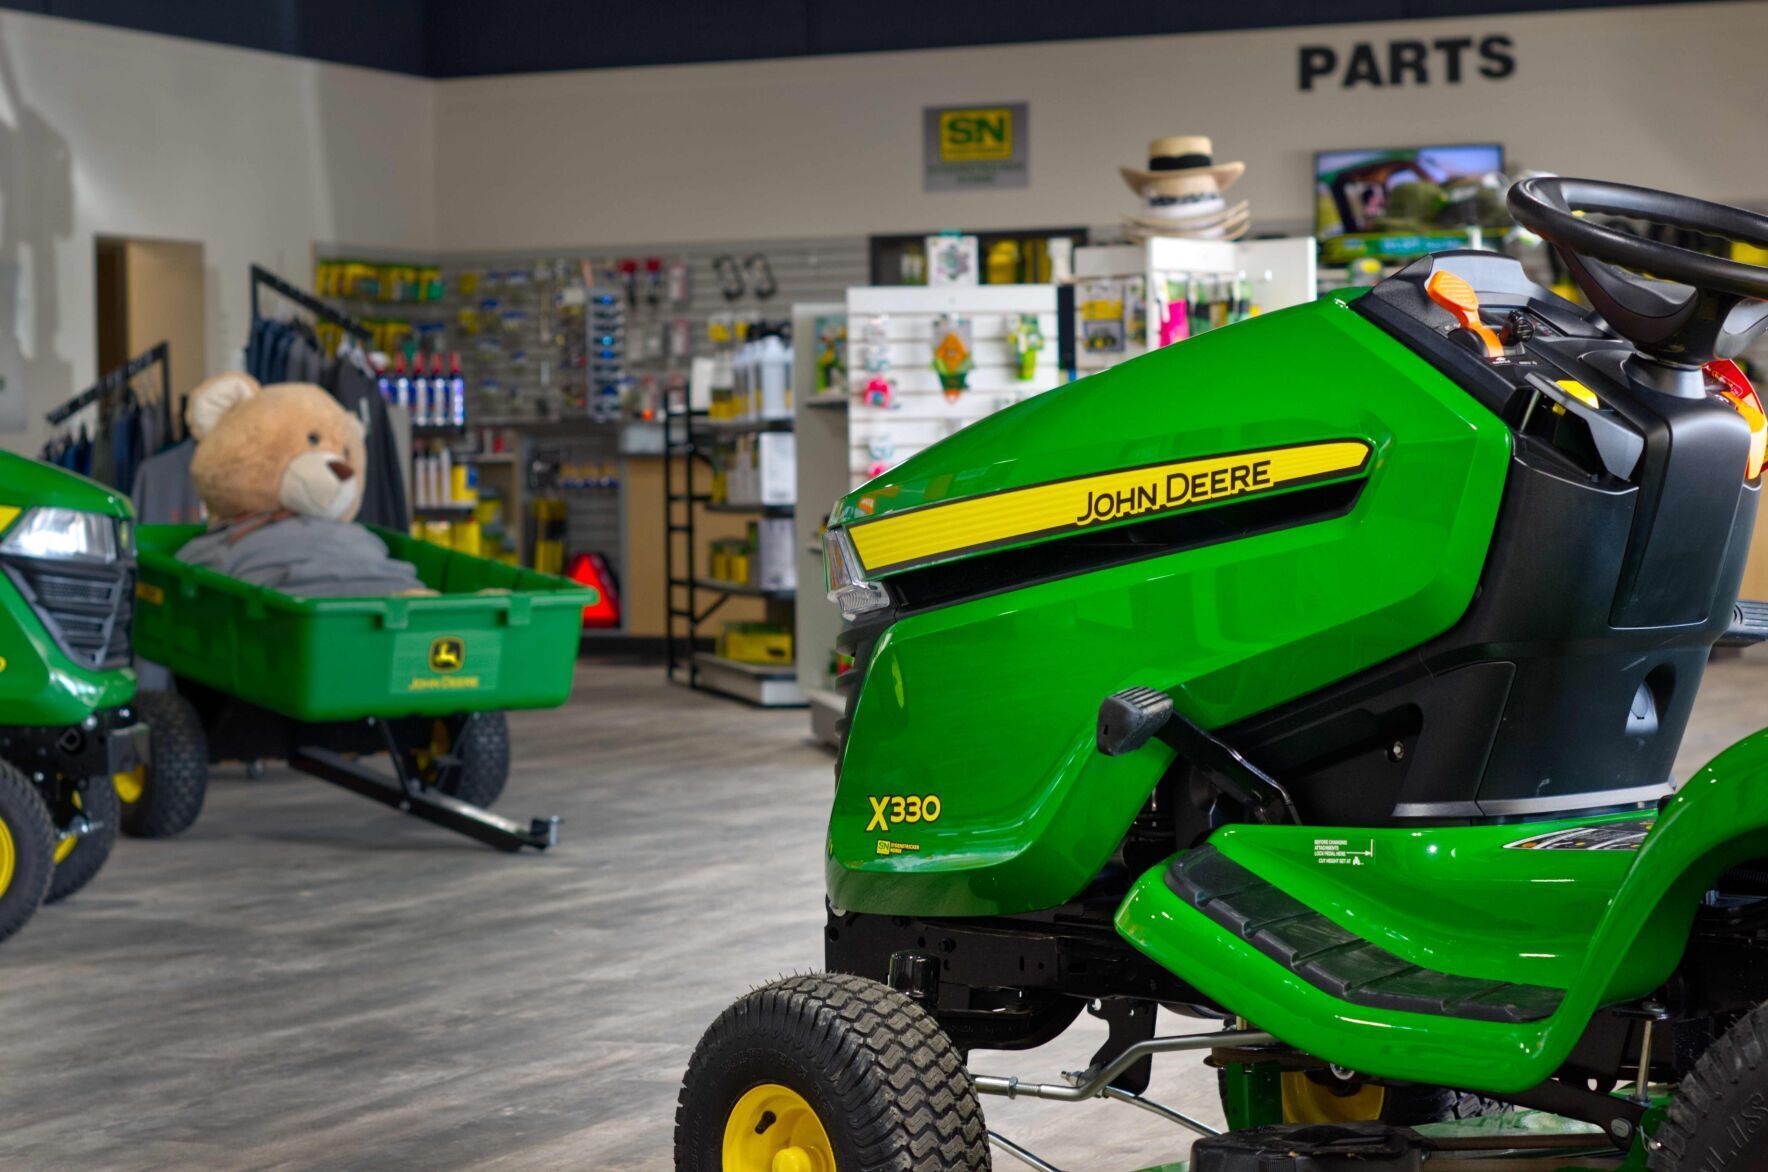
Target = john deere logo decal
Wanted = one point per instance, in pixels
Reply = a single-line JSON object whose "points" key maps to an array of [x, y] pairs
{"points": [[448, 654], [897, 541]]}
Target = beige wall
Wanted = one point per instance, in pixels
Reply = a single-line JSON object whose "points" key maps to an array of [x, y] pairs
{"points": [[832, 146], [107, 132]]}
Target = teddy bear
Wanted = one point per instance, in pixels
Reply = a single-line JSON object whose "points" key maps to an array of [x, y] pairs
{"points": [[280, 470]]}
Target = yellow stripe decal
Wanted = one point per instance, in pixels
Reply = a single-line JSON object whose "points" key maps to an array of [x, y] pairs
{"points": [[7, 513], [898, 540]]}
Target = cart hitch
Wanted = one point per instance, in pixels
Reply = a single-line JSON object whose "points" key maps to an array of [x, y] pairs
{"points": [[409, 795]]}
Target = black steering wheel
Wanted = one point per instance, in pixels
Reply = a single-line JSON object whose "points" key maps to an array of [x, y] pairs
{"points": [[1693, 307]]}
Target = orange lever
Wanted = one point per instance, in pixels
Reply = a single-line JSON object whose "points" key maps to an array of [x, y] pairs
{"points": [[1454, 294]]}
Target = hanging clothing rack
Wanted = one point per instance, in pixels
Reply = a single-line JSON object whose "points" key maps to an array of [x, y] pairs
{"points": [[120, 379], [264, 278]]}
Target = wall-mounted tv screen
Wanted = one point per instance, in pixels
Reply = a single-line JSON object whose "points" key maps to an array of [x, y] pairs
{"points": [[1396, 204]]}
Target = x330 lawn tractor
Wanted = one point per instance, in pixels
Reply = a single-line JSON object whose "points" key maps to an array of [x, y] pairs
{"points": [[1316, 680], [69, 736]]}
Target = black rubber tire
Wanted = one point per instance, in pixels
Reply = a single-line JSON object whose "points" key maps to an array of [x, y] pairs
{"points": [[99, 803], [883, 1078], [484, 752], [178, 775], [32, 833], [1417, 1103], [1718, 1119]]}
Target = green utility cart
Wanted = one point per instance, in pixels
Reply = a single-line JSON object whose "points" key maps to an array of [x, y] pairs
{"points": [[324, 682], [67, 571]]}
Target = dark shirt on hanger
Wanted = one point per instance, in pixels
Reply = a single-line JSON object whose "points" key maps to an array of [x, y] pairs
{"points": [[383, 492]]}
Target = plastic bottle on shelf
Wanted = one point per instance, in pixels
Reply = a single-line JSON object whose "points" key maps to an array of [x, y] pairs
{"points": [[384, 383], [773, 361], [457, 392], [421, 415], [401, 384]]}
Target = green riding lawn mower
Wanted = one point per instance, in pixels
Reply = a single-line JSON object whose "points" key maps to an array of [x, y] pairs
{"points": [[70, 738], [1318, 680]]}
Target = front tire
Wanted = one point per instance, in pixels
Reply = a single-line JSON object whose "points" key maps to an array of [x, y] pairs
{"points": [[1718, 1120], [27, 850], [77, 860], [825, 1071], [166, 797]]}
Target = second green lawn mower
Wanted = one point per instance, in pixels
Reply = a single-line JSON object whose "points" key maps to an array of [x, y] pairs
{"points": [[67, 723], [1318, 680]]}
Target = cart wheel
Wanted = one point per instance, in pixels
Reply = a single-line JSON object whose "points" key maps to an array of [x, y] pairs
{"points": [[1716, 1121], [166, 797], [484, 752], [77, 859], [27, 850], [826, 1071]]}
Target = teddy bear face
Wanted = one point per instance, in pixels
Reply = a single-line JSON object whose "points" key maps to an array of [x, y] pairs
{"points": [[285, 447]]}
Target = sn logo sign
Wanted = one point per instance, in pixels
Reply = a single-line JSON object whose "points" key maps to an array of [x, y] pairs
{"points": [[974, 136]]}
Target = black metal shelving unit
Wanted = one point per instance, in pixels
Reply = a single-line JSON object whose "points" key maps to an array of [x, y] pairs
{"points": [[692, 598]]}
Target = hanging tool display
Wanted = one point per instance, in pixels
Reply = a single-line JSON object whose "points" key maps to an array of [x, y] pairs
{"points": [[953, 350], [1026, 337]]}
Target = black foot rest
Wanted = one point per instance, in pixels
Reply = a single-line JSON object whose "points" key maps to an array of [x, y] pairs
{"points": [[1749, 624], [1335, 960]]}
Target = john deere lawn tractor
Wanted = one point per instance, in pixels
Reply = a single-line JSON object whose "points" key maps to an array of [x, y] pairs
{"points": [[1317, 680], [67, 726]]}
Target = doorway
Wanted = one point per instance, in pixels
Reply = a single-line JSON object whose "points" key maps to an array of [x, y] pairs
{"points": [[148, 292]]}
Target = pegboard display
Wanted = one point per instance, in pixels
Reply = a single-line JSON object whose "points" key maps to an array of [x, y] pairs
{"points": [[541, 351], [900, 403]]}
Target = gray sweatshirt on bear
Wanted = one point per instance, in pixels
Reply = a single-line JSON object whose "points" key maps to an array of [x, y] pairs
{"points": [[309, 557]]}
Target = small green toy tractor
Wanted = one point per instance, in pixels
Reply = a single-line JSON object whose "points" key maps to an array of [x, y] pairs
{"points": [[1318, 680], [68, 733]]}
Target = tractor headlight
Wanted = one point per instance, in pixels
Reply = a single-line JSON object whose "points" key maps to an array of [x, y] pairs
{"points": [[849, 588], [65, 533]]}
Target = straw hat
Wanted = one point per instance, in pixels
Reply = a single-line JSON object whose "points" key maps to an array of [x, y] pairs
{"points": [[1188, 205], [1182, 155]]}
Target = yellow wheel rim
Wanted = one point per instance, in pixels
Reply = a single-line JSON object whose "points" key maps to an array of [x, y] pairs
{"points": [[8, 857], [130, 785], [1306, 1101], [773, 1129], [438, 746], [64, 846]]}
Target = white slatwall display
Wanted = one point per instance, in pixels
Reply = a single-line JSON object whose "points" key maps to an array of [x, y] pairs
{"points": [[922, 414], [1263, 274]]}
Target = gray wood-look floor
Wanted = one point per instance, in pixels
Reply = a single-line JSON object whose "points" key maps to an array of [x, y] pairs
{"points": [[306, 980]]}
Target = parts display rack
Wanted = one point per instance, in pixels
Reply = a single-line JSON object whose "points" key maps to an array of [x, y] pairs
{"points": [[693, 598]]}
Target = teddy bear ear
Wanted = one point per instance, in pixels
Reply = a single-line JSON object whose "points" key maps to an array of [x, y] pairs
{"points": [[215, 398]]}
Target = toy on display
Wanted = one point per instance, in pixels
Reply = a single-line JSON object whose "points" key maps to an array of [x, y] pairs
{"points": [[1026, 337], [280, 470], [882, 449], [1342, 722], [879, 391], [1181, 192], [953, 350]]}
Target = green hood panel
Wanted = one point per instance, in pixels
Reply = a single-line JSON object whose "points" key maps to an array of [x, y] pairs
{"points": [[1606, 926], [25, 483], [987, 705], [1180, 408]]}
